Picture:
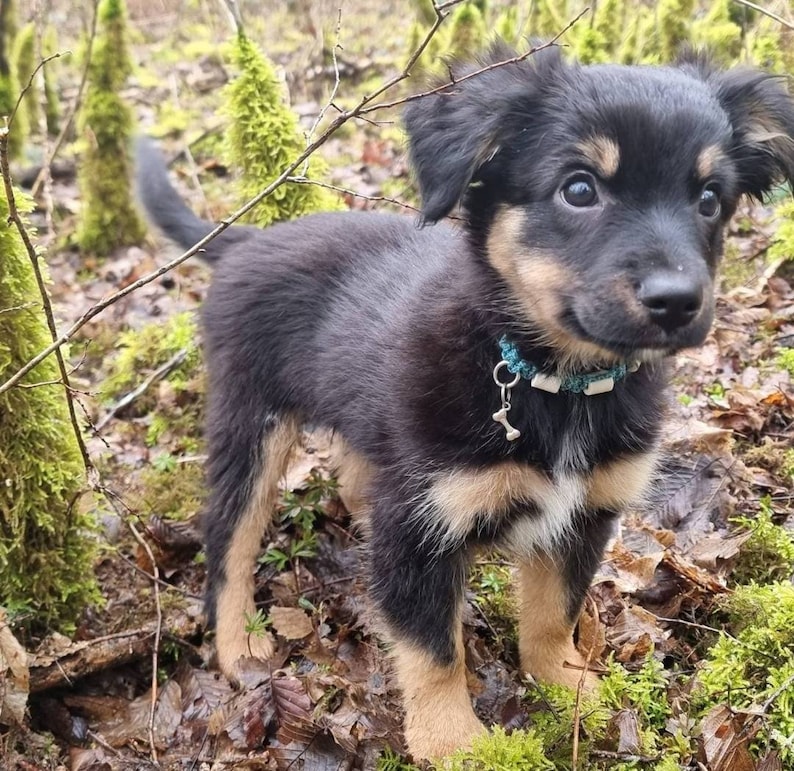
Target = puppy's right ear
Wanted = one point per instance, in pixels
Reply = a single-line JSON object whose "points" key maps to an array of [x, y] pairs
{"points": [[453, 133]]}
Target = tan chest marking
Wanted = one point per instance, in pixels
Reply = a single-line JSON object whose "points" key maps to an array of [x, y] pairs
{"points": [[459, 499]]}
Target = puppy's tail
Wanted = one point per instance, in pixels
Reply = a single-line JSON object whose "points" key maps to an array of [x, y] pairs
{"points": [[166, 209]]}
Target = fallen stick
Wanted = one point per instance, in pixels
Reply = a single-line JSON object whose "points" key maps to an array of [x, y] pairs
{"points": [[89, 656]]}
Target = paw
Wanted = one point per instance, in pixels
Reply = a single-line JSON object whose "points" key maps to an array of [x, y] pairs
{"points": [[242, 646], [566, 668], [438, 735]]}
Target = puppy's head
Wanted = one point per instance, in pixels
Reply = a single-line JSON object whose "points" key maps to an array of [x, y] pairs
{"points": [[600, 194]]}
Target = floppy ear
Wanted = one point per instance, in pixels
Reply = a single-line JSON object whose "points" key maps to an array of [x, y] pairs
{"points": [[761, 112], [455, 132]]}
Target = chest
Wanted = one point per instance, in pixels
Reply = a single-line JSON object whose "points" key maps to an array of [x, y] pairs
{"points": [[525, 508]]}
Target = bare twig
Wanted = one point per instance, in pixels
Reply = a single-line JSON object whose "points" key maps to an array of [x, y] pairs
{"points": [[364, 106], [66, 127], [766, 12], [353, 193], [577, 707], [158, 628], [14, 216], [130, 397], [368, 108], [334, 91], [779, 691], [29, 84]]}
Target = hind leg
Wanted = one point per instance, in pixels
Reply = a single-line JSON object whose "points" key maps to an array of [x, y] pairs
{"points": [[247, 460]]}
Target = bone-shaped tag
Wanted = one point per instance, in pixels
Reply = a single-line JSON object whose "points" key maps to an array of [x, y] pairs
{"points": [[500, 416]]}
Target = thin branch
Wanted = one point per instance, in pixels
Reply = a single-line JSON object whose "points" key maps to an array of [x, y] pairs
{"points": [[332, 96], [766, 12], [577, 707], [29, 84], [775, 695], [130, 397], [469, 75], [14, 216], [116, 502], [363, 107], [353, 193]]}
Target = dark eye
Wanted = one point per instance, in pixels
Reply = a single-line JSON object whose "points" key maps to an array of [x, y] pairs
{"points": [[709, 204], [580, 191]]}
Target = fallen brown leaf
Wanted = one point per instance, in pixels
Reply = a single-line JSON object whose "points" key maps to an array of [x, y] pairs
{"points": [[291, 623], [726, 735], [14, 676]]}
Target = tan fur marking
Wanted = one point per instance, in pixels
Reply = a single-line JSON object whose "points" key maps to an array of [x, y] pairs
{"points": [[458, 497], [545, 633], [536, 280], [709, 160], [354, 474], [622, 482], [604, 154], [236, 599], [439, 717]]}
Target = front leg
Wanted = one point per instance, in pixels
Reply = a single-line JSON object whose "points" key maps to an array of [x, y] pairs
{"points": [[551, 589], [418, 588]]}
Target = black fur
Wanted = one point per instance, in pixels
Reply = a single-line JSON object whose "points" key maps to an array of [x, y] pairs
{"points": [[387, 334]]}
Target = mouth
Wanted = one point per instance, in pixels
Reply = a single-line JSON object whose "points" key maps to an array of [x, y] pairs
{"points": [[646, 344]]}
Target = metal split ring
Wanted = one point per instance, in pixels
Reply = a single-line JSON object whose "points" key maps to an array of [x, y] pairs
{"points": [[498, 382]]}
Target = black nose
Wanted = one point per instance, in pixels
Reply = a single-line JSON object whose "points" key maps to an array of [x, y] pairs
{"points": [[672, 298]]}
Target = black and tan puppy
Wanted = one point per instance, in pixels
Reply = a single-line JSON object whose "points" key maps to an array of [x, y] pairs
{"points": [[497, 383]]}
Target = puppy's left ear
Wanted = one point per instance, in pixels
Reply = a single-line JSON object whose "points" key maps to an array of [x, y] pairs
{"points": [[761, 112]]}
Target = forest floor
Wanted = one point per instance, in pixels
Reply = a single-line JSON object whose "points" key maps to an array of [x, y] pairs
{"points": [[327, 700]]}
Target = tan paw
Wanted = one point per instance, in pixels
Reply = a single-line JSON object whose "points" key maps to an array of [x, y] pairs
{"points": [[234, 648], [564, 669], [442, 733]]}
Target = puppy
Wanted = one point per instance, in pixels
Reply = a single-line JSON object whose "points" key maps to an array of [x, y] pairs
{"points": [[497, 383]]}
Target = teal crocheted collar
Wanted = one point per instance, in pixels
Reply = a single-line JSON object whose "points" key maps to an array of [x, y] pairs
{"points": [[588, 383]]}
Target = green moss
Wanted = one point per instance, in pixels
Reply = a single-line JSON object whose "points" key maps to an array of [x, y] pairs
{"points": [[507, 25], [25, 61], [9, 83], [785, 360], [264, 138], [736, 270], [176, 418], [590, 46], [391, 761], [23, 56], [424, 11], [748, 668], [499, 751], [467, 33], [46, 549], [768, 555], [550, 18], [674, 16], [783, 246], [717, 33], [493, 594], [644, 691], [172, 490], [108, 217], [51, 98]]}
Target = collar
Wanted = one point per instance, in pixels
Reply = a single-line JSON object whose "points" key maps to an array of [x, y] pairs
{"points": [[589, 383]]}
